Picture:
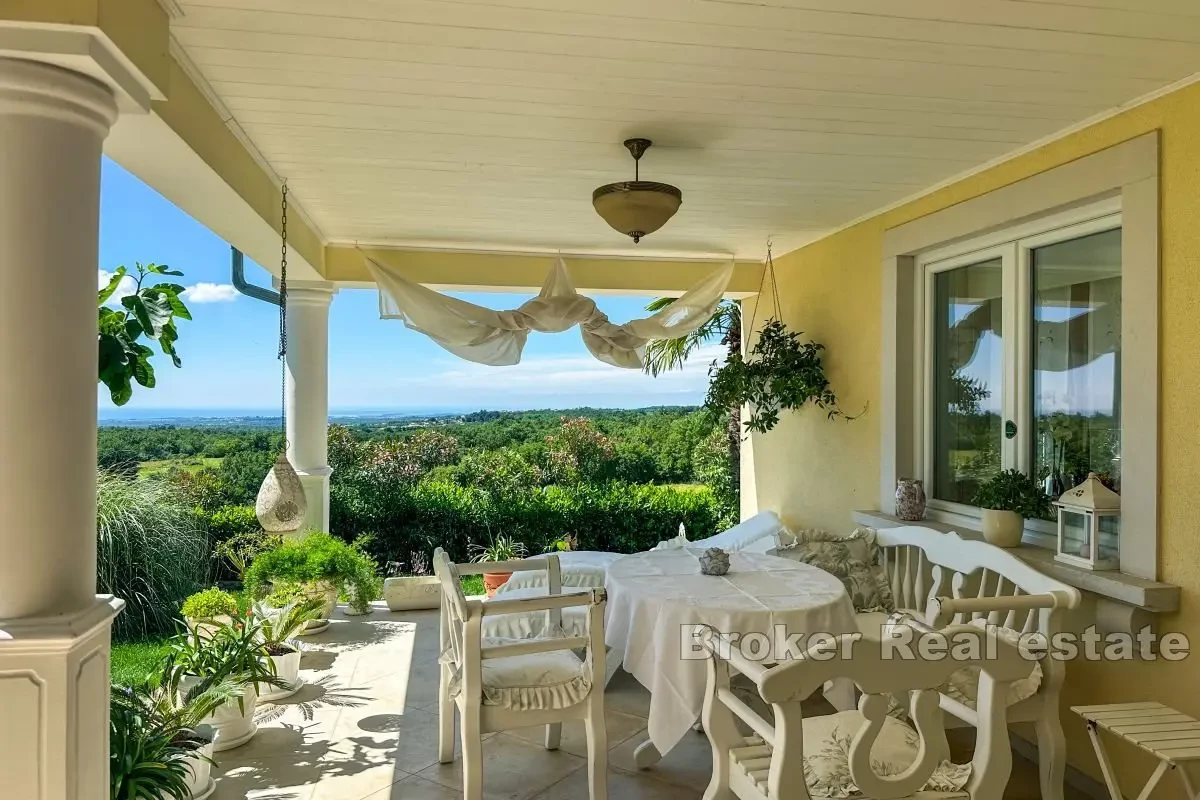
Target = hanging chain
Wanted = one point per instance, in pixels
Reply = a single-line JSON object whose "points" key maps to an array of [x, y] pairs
{"points": [[283, 311], [768, 268]]}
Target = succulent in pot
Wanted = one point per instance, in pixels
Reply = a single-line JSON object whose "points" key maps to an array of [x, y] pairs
{"points": [[278, 627], [1006, 500], [233, 656], [502, 548], [208, 610]]}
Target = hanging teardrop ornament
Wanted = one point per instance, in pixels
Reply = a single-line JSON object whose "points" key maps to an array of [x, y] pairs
{"points": [[281, 506]]}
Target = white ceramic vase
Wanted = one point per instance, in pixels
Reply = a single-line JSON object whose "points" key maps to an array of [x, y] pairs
{"points": [[207, 626], [412, 593], [287, 669], [1001, 528], [232, 725]]}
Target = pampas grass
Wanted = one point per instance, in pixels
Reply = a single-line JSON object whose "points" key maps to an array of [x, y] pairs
{"points": [[152, 552]]}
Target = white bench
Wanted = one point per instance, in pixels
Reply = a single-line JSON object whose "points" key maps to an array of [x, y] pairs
{"points": [[948, 580]]}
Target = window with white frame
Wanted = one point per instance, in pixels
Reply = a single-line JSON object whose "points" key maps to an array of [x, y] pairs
{"points": [[1022, 356]]}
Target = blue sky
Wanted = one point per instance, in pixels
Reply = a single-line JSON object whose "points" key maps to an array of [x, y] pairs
{"points": [[228, 349]]}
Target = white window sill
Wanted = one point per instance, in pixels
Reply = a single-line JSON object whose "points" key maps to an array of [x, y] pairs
{"points": [[1149, 595]]}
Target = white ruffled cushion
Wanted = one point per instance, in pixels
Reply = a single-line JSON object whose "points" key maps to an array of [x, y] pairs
{"points": [[533, 623], [540, 681], [758, 534], [827, 742]]}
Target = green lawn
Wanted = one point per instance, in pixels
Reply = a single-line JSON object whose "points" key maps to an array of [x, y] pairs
{"points": [[472, 585], [189, 464], [133, 661]]}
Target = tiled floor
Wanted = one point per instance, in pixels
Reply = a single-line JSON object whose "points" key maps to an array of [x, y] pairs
{"points": [[366, 729]]}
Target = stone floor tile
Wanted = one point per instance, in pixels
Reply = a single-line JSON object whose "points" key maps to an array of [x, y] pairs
{"points": [[512, 769], [574, 741]]}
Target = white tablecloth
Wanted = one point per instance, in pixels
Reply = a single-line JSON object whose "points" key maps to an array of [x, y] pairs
{"points": [[655, 599]]}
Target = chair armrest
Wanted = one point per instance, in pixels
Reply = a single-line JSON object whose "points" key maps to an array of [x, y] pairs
{"points": [[940, 609], [547, 603], [503, 567], [722, 647]]}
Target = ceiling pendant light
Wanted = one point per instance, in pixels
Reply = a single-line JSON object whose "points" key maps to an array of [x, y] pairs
{"points": [[637, 208]]}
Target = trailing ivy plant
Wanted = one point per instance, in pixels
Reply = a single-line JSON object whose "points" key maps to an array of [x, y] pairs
{"points": [[148, 313], [781, 373]]}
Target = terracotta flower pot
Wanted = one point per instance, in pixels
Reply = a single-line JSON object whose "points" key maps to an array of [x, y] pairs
{"points": [[494, 580]]}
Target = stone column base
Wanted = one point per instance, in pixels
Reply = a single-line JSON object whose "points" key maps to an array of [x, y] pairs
{"points": [[54, 679]]}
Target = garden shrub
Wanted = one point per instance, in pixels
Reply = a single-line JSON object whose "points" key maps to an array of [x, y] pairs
{"points": [[618, 517], [152, 552], [210, 603]]}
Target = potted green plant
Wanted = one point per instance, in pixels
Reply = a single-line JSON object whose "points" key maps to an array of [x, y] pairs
{"points": [[278, 627], [501, 548], [208, 610], [1005, 501], [319, 565], [780, 373], [154, 727], [233, 656]]}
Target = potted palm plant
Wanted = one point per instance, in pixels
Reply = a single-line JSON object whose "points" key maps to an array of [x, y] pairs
{"points": [[233, 656], [155, 730], [502, 548], [210, 609], [1006, 500], [278, 626]]}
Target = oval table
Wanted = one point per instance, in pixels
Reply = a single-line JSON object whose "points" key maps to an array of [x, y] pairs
{"points": [[656, 599]]}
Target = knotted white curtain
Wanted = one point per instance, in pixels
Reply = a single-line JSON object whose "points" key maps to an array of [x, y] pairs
{"points": [[486, 336]]}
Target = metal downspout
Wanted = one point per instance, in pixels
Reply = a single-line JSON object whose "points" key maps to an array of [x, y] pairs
{"points": [[237, 267]]}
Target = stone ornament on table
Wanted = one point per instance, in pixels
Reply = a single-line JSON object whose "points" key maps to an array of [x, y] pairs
{"points": [[714, 561]]}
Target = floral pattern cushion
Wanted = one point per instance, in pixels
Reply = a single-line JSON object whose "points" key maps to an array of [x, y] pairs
{"points": [[852, 557], [827, 741]]}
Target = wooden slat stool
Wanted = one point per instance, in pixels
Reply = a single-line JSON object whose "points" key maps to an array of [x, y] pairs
{"points": [[1171, 737]]}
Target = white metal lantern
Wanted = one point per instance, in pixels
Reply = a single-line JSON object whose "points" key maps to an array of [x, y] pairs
{"points": [[1089, 519]]}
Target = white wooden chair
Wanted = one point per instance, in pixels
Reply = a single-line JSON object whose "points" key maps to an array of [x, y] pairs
{"points": [[502, 684], [770, 763], [949, 580]]}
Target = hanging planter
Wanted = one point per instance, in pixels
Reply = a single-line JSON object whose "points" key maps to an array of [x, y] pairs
{"points": [[780, 373], [281, 505]]}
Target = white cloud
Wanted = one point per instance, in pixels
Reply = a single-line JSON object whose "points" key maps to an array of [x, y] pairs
{"points": [[124, 288], [537, 382], [210, 293]]}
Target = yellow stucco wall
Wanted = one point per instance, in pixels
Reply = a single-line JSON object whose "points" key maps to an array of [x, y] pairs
{"points": [[815, 472]]}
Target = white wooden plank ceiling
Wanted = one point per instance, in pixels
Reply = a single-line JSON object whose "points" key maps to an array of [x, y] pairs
{"points": [[488, 123]]}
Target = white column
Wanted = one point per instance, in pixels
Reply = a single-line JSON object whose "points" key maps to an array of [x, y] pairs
{"points": [[308, 394], [54, 630]]}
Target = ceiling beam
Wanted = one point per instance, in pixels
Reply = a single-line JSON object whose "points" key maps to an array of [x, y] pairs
{"points": [[524, 272]]}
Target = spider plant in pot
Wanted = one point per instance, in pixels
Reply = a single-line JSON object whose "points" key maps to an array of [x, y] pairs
{"points": [[1005, 501], [502, 548], [234, 654], [278, 627], [210, 609]]}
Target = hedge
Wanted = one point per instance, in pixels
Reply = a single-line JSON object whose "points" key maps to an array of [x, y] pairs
{"points": [[615, 517]]}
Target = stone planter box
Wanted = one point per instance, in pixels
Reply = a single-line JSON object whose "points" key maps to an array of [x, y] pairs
{"points": [[412, 593]]}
